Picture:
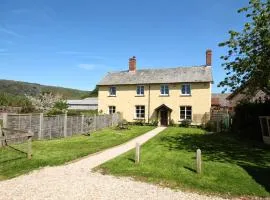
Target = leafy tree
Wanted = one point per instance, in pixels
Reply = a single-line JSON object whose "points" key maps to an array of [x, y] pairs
{"points": [[248, 58], [61, 105]]}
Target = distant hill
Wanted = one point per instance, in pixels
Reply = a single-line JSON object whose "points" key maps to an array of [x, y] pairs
{"points": [[19, 88]]}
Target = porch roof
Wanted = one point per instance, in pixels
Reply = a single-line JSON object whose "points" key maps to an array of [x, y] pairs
{"points": [[163, 107]]}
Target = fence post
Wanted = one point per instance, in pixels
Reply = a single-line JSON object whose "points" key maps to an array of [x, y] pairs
{"points": [[5, 120], [65, 125], [41, 121], [29, 145], [218, 126], [95, 122], [82, 124], [137, 155], [199, 161]]}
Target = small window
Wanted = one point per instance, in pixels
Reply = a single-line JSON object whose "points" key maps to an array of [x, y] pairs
{"points": [[140, 90], [140, 112], [186, 89], [111, 109], [112, 91], [185, 112], [164, 90]]}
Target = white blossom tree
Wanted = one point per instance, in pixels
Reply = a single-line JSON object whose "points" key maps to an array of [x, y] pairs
{"points": [[45, 102]]}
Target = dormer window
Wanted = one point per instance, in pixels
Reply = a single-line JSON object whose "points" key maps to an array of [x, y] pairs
{"points": [[140, 90], [164, 90], [186, 89], [112, 91]]}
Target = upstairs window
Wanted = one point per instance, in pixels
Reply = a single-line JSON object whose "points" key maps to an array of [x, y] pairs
{"points": [[140, 112], [186, 90], [164, 90], [185, 112], [140, 90], [111, 109], [112, 91]]}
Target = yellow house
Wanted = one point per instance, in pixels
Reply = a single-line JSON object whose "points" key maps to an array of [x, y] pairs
{"points": [[167, 95]]}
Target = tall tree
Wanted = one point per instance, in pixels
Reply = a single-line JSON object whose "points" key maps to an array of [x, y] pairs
{"points": [[248, 58]]}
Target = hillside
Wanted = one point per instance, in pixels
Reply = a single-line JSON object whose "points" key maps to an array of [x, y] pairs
{"points": [[19, 88]]}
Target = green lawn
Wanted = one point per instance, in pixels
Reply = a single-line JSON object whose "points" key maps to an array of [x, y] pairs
{"points": [[56, 152], [231, 167]]}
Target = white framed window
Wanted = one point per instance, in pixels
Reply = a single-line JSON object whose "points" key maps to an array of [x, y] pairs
{"points": [[112, 109], [112, 91], [140, 90], [140, 112], [164, 90], [186, 89], [185, 112]]}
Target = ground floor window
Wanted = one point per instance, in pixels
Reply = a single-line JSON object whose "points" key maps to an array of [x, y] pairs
{"points": [[140, 112], [185, 112], [111, 109]]}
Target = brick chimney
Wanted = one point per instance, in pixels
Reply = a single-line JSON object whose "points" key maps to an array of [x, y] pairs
{"points": [[132, 64], [208, 57]]}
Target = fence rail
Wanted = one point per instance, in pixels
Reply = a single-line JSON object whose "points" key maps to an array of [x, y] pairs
{"points": [[49, 127]]}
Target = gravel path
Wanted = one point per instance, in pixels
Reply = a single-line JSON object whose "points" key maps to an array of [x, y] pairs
{"points": [[76, 181]]}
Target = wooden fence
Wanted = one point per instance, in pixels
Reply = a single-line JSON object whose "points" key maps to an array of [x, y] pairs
{"points": [[48, 127]]}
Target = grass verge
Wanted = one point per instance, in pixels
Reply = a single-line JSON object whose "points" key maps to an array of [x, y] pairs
{"points": [[231, 167], [59, 151]]}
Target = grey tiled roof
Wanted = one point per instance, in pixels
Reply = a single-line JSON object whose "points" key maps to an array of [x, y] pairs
{"points": [[90, 101], [165, 75]]}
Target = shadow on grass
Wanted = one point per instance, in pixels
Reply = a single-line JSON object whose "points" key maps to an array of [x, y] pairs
{"points": [[260, 174], [190, 169], [252, 156], [11, 159]]}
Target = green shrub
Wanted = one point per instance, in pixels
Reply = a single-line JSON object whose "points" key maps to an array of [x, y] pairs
{"points": [[139, 122], [185, 123], [153, 123], [211, 126]]}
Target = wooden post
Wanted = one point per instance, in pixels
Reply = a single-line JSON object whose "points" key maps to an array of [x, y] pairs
{"points": [[199, 161], [29, 141], [218, 126], [65, 125], [5, 120], [1, 137], [41, 120], [82, 124], [95, 122], [137, 155]]}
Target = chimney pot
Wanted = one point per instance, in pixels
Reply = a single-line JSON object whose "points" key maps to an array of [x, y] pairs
{"points": [[208, 57], [132, 64]]}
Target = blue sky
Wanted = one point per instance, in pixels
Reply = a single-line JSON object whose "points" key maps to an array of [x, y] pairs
{"points": [[75, 43]]}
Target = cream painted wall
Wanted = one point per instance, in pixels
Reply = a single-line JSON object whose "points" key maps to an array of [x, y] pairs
{"points": [[126, 100]]}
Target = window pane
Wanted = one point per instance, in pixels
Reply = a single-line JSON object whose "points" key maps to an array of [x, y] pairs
{"points": [[142, 89], [138, 90], [162, 89], [112, 90], [188, 89], [183, 89], [166, 89]]}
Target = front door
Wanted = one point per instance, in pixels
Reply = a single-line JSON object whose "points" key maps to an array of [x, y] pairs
{"points": [[164, 118]]}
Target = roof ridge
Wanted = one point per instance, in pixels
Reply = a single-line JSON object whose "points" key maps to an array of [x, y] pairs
{"points": [[160, 68]]}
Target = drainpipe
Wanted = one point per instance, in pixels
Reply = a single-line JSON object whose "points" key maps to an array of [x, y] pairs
{"points": [[148, 102]]}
